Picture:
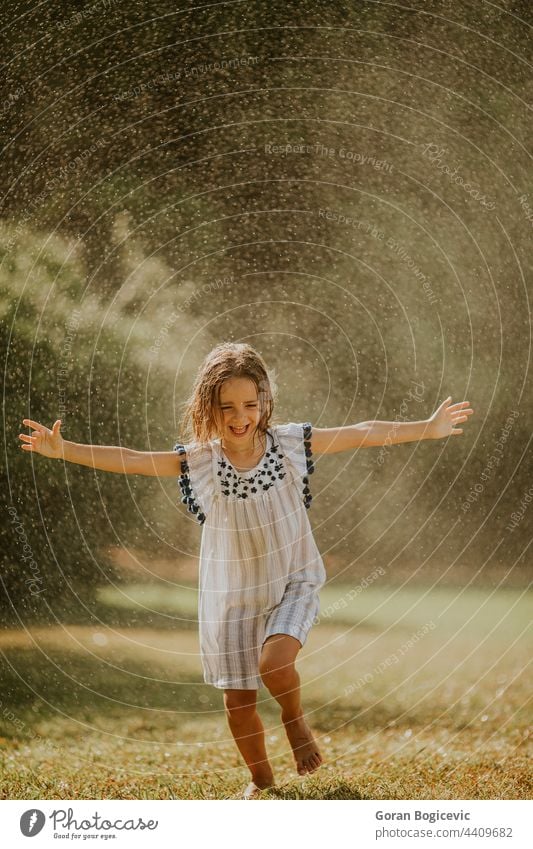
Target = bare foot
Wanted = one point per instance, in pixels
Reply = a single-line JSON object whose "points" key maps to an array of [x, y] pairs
{"points": [[263, 780], [252, 791], [306, 752], [259, 783]]}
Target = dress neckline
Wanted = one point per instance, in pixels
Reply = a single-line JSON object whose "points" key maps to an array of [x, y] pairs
{"points": [[245, 471]]}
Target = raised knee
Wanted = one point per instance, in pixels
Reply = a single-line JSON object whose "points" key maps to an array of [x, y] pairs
{"points": [[276, 677], [239, 711]]}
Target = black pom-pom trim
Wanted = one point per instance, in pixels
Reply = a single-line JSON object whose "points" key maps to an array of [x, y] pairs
{"points": [[184, 482], [307, 431]]}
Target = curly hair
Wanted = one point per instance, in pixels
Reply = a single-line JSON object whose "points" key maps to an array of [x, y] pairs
{"points": [[201, 419]]}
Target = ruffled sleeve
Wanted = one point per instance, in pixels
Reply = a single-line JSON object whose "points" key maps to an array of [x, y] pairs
{"points": [[196, 478], [295, 442]]}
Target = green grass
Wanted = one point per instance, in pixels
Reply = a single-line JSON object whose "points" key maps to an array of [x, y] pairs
{"points": [[110, 711], [472, 609]]}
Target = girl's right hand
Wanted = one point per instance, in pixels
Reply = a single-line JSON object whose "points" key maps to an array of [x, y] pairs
{"points": [[43, 441]]}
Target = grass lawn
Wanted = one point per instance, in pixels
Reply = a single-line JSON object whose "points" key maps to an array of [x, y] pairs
{"points": [[412, 694]]}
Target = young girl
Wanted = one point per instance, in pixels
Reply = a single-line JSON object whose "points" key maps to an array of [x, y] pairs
{"points": [[246, 480]]}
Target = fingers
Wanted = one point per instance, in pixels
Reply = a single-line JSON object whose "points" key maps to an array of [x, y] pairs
{"points": [[41, 437], [34, 425], [460, 407], [33, 442]]}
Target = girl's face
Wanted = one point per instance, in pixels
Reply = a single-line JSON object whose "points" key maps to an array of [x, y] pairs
{"points": [[239, 411]]}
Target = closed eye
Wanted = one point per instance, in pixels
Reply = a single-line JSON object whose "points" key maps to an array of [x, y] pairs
{"points": [[251, 404]]}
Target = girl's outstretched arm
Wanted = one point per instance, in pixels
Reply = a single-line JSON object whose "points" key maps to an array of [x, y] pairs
{"points": [[109, 458], [442, 423]]}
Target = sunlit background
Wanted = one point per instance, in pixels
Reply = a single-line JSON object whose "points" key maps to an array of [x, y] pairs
{"points": [[347, 187]]}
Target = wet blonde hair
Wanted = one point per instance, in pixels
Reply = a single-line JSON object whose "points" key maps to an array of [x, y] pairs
{"points": [[201, 419]]}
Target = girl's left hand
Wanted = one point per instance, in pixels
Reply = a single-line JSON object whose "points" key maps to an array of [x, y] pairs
{"points": [[444, 420]]}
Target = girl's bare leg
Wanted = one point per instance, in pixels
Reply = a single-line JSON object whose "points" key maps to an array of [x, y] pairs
{"points": [[283, 682], [247, 729]]}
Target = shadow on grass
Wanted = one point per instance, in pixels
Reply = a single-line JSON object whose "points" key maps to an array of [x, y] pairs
{"points": [[337, 717], [36, 687], [100, 613], [318, 789]]}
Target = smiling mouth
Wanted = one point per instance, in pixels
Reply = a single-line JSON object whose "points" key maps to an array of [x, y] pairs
{"points": [[240, 431]]}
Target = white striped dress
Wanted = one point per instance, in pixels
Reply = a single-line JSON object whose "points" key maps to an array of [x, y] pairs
{"points": [[260, 568]]}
